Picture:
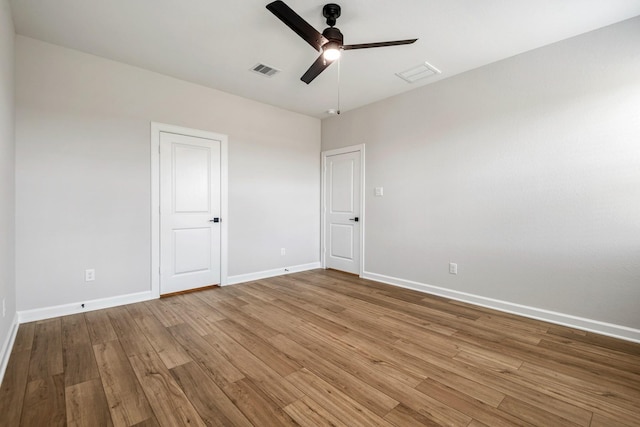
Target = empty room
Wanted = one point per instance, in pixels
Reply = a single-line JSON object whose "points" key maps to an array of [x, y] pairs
{"points": [[295, 213]]}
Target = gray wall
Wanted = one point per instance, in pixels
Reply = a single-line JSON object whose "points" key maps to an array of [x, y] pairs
{"points": [[7, 168], [83, 174], [525, 172]]}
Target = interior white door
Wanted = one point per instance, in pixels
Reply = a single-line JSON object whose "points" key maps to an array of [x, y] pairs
{"points": [[189, 212], [342, 212]]}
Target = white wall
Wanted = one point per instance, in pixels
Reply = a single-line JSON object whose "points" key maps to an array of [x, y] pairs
{"points": [[525, 172], [7, 183], [83, 174]]}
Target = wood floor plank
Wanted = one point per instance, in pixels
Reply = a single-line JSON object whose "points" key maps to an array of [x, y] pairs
{"points": [[573, 390], [255, 405], [13, 387], [214, 407], [560, 361], [300, 290], [473, 389], [579, 367], [78, 358], [193, 311], [99, 327], [74, 330], [79, 364], [402, 320], [86, 405], [469, 406], [505, 382], [334, 401], [262, 349], [165, 314], [46, 352], [44, 402], [307, 412], [363, 393], [208, 357], [597, 340], [402, 390], [486, 361], [316, 348], [532, 414], [151, 422], [169, 403], [231, 309], [131, 337], [340, 353], [127, 402], [24, 337], [169, 350], [272, 316], [616, 393], [381, 351], [310, 317], [602, 421], [402, 416], [593, 354], [343, 317], [259, 372]]}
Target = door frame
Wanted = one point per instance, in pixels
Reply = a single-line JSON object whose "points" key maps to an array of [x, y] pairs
{"points": [[323, 208], [156, 129]]}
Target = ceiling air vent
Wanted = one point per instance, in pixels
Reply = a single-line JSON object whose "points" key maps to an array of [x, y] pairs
{"points": [[422, 71], [265, 70]]}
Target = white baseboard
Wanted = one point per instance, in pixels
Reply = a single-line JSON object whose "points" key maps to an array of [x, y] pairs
{"points": [[609, 329], [5, 352], [241, 278], [74, 308]]}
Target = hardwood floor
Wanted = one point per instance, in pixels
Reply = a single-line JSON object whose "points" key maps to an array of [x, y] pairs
{"points": [[315, 348]]}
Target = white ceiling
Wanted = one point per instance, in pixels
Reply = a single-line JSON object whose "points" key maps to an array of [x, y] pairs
{"points": [[214, 43]]}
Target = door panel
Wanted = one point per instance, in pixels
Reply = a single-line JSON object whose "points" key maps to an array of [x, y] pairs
{"points": [[192, 249], [189, 200], [191, 180], [342, 204], [342, 174], [341, 237]]}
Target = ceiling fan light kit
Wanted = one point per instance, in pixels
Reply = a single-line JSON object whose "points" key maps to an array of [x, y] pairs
{"points": [[331, 51], [329, 43]]}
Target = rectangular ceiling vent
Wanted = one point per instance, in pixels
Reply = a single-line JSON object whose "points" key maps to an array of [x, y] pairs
{"points": [[422, 71], [265, 70]]}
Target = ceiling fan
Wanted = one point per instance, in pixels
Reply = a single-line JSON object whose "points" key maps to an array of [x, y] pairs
{"points": [[330, 42]]}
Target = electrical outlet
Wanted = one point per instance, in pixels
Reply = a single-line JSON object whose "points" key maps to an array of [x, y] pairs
{"points": [[282, 251], [453, 268], [89, 275]]}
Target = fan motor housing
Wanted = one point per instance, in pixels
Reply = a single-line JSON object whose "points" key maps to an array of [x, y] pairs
{"points": [[333, 34]]}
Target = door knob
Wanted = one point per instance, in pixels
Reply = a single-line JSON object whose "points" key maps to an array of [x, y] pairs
{"points": [[356, 219], [216, 219]]}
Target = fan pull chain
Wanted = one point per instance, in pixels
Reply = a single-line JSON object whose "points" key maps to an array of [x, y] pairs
{"points": [[339, 73]]}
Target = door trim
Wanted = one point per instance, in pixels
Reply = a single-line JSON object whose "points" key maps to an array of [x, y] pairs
{"points": [[156, 129], [323, 209]]}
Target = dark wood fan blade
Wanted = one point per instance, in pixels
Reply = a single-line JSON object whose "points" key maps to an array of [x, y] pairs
{"points": [[297, 24], [380, 44], [316, 68]]}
